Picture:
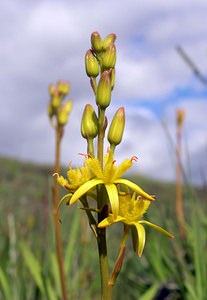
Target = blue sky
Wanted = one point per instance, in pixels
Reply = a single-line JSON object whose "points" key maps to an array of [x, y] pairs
{"points": [[44, 41]]}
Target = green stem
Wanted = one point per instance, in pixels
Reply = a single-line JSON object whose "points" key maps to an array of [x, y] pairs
{"points": [[101, 240], [90, 147], [59, 249]]}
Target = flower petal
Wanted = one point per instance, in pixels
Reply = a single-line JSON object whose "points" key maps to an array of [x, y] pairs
{"points": [[135, 188], [141, 237], [157, 228], [110, 220], [113, 198], [84, 189]]}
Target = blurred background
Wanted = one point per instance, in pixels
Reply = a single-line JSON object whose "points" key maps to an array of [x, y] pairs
{"points": [[161, 67]]}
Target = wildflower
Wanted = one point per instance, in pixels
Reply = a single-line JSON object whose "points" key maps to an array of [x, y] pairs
{"points": [[76, 178], [110, 177], [131, 210]]}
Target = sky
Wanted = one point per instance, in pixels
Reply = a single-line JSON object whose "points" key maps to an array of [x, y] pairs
{"points": [[46, 41]]}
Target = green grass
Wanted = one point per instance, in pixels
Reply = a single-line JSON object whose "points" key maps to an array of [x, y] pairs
{"points": [[28, 265]]}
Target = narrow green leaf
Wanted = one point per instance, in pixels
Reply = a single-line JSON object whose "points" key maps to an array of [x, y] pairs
{"points": [[33, 265], [5, 285], [151, 292]]}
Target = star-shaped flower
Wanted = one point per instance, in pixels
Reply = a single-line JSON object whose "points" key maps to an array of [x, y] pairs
{"points": [[131, 210], [110, 177]]}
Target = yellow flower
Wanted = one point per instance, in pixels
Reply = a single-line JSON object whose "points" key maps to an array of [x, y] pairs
{"points": [[76, 178], [110, 177], [131, 210]]}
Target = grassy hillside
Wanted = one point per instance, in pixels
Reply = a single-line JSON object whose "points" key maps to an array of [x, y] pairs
{"points": [[167, 267]]}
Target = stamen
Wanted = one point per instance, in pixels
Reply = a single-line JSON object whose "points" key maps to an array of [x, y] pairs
{"points": [[135, 158], [113, 162], [56, 174], [85, 155]]}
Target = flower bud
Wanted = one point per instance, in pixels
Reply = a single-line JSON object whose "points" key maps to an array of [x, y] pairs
{"points": [[96, 42], [66, 88], [56, 99], [103, 94], [52, 90], [64, 113], [89, 123], [50, 110], [116, 128], [112, 77], [91, 64], [108, 40], [180, 117], [68, 106], [109, 57]]}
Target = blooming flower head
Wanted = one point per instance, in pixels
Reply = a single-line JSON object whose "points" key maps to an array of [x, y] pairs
{"points": [[110, 177], [81, 180], [131, 211]]}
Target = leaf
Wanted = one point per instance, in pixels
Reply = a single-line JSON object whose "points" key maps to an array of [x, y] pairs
{"points": [[33, 265], [151, 292], [5, 285]]}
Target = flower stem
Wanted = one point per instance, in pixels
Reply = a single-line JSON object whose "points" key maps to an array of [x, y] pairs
{"points": [[55, 213], [101, 240]]}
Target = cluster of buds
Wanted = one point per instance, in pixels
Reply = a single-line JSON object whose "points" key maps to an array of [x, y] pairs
{"points": [[100, 61], [57, 110]]}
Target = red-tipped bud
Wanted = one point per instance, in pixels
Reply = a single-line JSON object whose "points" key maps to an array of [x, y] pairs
{"points": [[91, 64], [103, 94], [108, 40], [116, 128], [96, 42]]}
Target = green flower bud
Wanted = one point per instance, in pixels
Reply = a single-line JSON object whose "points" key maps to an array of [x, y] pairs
{"points": [[96, 42], [112, 76], [66, 88], [56, 100], [64, 113], [103, 93], [91, 64], [50, 109], [68, 106], [89, 123], [116, 128], [52, 90], [109, 57], [60, 86], [108, 40]]}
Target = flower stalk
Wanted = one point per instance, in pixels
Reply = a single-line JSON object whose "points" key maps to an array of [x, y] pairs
{"points": [[58, 113], [179, 192]]}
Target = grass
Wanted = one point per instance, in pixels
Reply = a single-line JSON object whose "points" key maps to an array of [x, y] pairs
{"points": [[28, 268]]}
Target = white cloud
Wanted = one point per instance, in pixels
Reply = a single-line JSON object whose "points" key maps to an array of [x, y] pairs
{"points": [[46, 41]]}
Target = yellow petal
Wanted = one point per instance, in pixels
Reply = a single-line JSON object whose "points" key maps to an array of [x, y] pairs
{"points": [[113, 198], [84, 189], [110, 220], [135, 188], [141, 237], [157, 228], [123, 167]]}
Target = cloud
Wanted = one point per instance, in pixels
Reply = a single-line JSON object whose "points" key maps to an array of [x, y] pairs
{"points": [[42, 42]]}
